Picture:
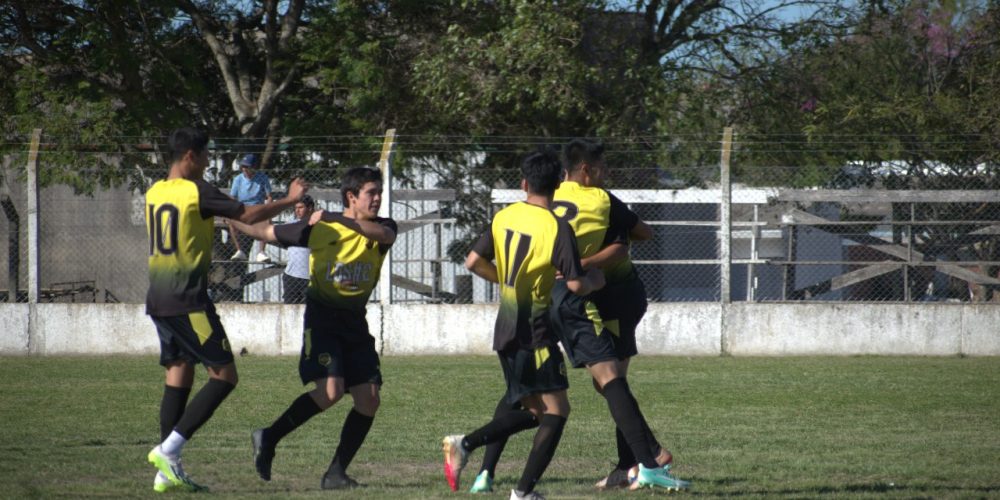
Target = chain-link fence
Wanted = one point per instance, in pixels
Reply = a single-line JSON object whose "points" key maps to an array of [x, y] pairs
{"points": [[862, 231]]}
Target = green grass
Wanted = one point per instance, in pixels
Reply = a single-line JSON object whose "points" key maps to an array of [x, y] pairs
{"points": [[777, 427]]}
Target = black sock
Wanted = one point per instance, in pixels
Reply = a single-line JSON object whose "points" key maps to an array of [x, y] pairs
{"points": [[544, 447], [211, 395], [499, 428], [302, 409], [171, 408], [356, 427], [626, 459], [654, 445], [625, 411], [493, 450]]}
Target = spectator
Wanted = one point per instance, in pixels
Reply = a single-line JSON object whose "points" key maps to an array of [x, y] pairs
{"points": [[295, 280], [253, 187]]}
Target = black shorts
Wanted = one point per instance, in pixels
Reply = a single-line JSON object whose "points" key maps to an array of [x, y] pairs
{"points": [[196, 337], [623, 305], [293, 289], [533, 371], [586, 337], [336, 343]]}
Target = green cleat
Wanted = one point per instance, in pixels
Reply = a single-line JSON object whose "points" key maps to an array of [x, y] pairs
{"points": [[172, 470], [483, 484], [660, 477]]}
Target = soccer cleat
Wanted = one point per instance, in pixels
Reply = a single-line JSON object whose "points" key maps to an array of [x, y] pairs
{"points": [[483, 484], [262, 455], [239, 255], [172, 469], [336, 479], [659, 477], [161, 484], [617, 478], [455, 458], [531, 495]]}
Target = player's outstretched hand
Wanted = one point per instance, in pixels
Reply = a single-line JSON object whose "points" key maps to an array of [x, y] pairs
{"points": [[316, 216], [297, 188]]}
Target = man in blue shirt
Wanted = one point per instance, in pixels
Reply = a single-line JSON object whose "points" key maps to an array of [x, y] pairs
{"points": [[252, 187]]}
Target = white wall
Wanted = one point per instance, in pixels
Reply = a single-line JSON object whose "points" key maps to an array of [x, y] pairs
{"points": [[691, 329]]}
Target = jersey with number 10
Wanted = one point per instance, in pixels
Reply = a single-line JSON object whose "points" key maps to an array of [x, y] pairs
{"points": [[529, 244], [180, 227]]}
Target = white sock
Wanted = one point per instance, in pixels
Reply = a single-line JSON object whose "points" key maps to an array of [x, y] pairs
{"points": [[173, 444]]}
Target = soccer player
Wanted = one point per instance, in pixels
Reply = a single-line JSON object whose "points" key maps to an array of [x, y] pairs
{"points": [[598, 332], [338, 353], [530, 245], [179, 212]]}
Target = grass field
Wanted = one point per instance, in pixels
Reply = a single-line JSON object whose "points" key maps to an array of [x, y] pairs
{"points": [[785, 427]]}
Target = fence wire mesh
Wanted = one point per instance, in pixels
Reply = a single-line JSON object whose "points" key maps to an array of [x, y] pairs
{"points": [[916, 229]]}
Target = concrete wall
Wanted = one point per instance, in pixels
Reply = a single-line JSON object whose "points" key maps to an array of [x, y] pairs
{"points": [[693, 329]]}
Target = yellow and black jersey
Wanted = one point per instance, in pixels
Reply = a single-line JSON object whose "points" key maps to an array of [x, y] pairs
{"points": [[529, 243], [180, 227], [598, 219], [344, 265]]}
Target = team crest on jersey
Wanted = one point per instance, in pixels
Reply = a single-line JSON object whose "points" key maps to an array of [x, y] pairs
{"points": [[225, 345], [324, 359], [350, 276]]}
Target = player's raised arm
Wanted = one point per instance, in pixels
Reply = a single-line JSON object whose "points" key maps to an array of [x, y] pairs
{"points": [[263, 231], [253, 214], [371, 229]]}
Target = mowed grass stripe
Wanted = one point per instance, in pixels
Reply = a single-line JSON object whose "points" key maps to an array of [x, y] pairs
{"points": [[859, 427]]}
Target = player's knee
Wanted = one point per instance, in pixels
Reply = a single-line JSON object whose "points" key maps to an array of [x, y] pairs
{"points": [[327, 396], [368, 406]]}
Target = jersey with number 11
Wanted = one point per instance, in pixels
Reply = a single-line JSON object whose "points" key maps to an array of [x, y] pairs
{"points": [[529, 244], [179, 225]]}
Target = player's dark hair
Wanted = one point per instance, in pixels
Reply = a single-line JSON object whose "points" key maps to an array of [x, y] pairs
{"points": [[579, 151], [308, 201], [186, 139], [355, 178], [542, 171]]}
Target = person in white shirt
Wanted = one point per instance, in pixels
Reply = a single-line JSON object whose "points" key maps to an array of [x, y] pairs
{"points": [[295, 280]]}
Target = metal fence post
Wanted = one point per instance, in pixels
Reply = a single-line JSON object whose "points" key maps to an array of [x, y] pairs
{"points": [[385, 210]]}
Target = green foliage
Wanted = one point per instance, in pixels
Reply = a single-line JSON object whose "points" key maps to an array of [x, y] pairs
{"points": [[79, 145]]}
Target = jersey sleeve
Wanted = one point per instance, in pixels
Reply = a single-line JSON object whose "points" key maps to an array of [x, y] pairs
{"points": [[565, 255], [213, 202], [484, 245], [621, 220], [294, 234], [391, 224]]}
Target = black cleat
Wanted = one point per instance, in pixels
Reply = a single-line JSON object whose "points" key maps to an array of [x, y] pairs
{"points": [[262, 455], [336, 479]]}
